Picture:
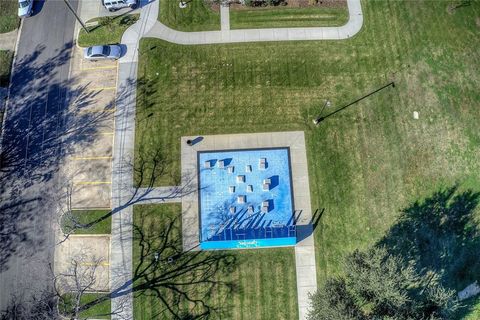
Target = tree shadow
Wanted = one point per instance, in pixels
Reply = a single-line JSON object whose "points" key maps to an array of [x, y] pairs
{"points": [[44, 122], [440, 234], [181, 283]]}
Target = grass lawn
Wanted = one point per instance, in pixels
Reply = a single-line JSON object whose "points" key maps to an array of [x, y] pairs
{"points": [[367, 162], [86, 216], [98, 311], [195, 17], [5, 66], [8, 16], [278, 17], [108, 31], [263, 279]]}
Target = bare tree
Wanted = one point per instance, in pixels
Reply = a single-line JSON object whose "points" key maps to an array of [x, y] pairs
{"points": [[81, 277]]}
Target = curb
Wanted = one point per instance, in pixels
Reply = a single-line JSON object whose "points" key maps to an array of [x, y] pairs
{"points": [[2, 129]]}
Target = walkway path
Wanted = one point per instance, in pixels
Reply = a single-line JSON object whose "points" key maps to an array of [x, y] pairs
{"points": [[225, 17], [346, 31], [122, 176], [8, 40]]}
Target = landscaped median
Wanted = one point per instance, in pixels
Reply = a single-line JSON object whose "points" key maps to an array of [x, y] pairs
{"points": [[99, 220], [197, 16], [234, 284], [82, 262], [283, 17], [98, 311], [203, 15], [8, 16], [106, 30], [5, 67]]}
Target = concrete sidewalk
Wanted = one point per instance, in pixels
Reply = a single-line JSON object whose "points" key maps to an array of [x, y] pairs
{"points": [[225, 17], [346, 31], [121, 272], [8, 40]]}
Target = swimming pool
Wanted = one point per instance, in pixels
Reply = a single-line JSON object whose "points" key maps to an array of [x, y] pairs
{"points": [[245, 198]]}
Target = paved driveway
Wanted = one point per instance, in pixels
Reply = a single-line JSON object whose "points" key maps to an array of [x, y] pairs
{"points": [[88, 164], [91, 253]]}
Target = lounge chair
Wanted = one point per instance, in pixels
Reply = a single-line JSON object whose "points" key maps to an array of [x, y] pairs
{"points": [[208, 164], [249, 188], [232, 210], [240, 179], [248, 168], [221, 164], [241, 199], [230, 169], [231, 189], [265, 186]]}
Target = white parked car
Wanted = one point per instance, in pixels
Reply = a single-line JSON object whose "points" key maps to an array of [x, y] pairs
{"points": [[25, 8], [114, 5], [105, 52]]}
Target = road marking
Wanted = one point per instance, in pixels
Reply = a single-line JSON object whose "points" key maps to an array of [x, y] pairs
{"points": [[89, 209], [99, 68], [97, 133], [91, 182], [93, 264], [102, 88], [90, 158], [96, 110]]}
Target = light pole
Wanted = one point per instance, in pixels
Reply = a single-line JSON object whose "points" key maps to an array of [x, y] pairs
{"points": [[327, 104], [320, 118], [76, 16]]}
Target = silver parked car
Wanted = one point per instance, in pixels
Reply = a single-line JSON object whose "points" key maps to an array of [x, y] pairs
{"points": [[105, 52], [114, 5], [25, 8]]}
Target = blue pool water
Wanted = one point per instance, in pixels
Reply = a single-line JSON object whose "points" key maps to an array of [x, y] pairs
{"points": [[227, 223]]}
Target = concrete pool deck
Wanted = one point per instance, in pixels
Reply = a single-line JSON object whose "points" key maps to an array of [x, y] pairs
{"points": [[295, 140]]}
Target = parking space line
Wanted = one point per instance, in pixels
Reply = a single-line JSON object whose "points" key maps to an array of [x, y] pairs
{"points": [[102, 88], [99, 68], [93, 264], [90, 158], [86, 209], [91, 182], [96, 110]]}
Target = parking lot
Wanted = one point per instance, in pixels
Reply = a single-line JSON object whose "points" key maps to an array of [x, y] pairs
{"points": [[89, 159], [90, 255]]}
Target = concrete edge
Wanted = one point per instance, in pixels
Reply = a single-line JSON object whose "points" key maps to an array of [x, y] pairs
{"points": [[2, 129]]}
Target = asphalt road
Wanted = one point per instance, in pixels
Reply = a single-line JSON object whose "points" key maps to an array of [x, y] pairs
{"points": [[32, 148]]}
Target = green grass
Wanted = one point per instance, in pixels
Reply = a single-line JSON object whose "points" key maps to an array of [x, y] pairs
{"points": [[98, 311], [108, 33], [195, 17], [87, 216], [263, 279], [5, 66], [8, 16], [367, 162], [277, 17]]}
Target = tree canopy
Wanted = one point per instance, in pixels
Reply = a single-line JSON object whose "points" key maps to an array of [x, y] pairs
{"points": [[377, 285]]}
